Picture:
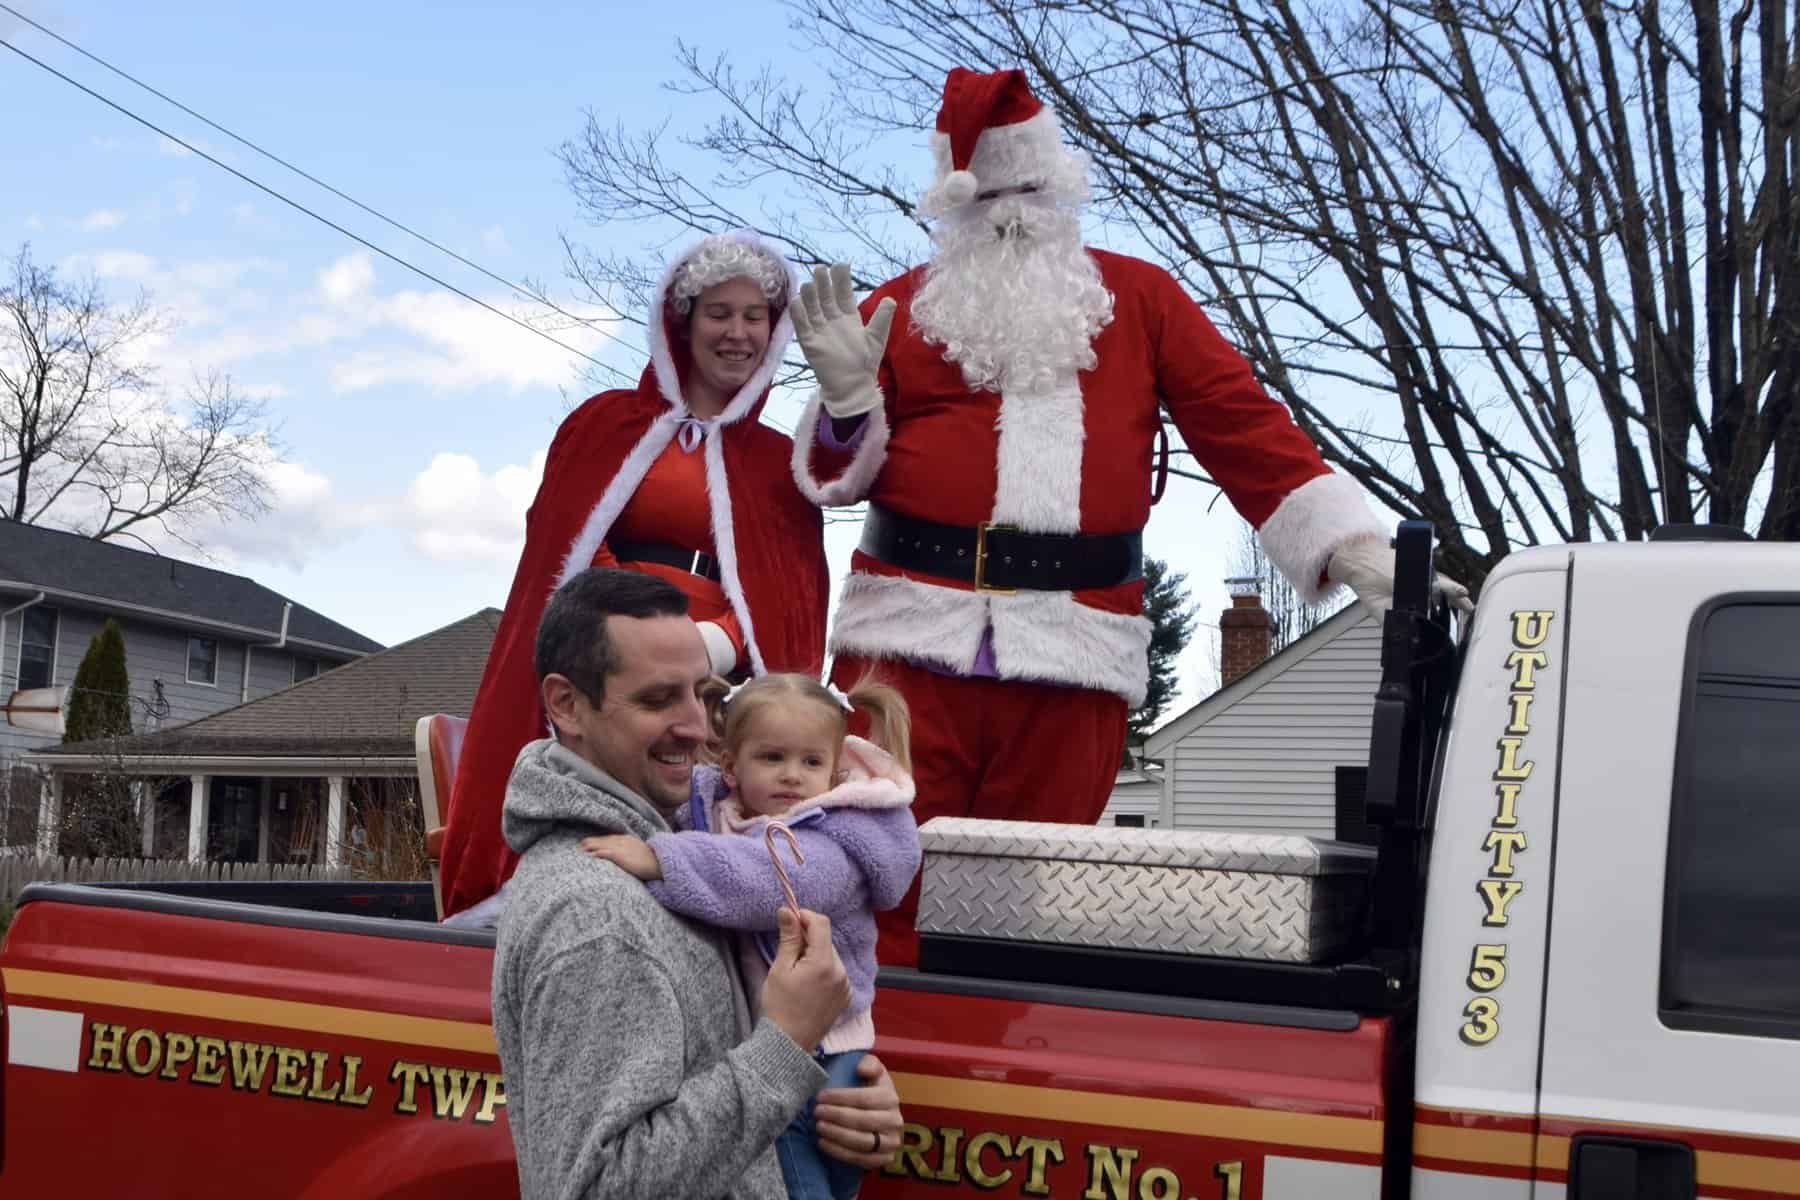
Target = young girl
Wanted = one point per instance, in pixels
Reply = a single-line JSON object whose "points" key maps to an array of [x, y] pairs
{"points": [[787, 755]]}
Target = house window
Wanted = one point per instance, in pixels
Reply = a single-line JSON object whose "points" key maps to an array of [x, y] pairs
{"points": [[37, 647], [305, 668], [1732, 890], [203, 660]]}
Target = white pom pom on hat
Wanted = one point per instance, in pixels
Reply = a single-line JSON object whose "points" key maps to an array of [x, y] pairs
{"points": [[976, 101], [958, 187]]}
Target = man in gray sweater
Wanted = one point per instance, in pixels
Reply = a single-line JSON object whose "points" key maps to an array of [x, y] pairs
{"points": [[632, 1065]]}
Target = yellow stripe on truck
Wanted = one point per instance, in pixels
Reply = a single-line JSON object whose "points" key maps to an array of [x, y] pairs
{"points": [[1226, 1121], [472, 1036]]}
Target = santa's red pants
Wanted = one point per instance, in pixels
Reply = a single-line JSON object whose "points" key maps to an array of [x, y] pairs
{"points": [[999, 749]]}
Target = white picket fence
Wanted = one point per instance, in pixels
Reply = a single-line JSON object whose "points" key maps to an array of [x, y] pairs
{"points": [[17, 871]]}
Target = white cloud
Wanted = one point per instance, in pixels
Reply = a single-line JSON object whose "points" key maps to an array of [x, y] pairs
{"points": [[458, 513], [101, 220], [458, 346], [348, 278], [306, 516], [229, 312]]}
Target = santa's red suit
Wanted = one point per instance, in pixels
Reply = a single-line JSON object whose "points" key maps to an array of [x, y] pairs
{"points": [[632, 466], [1019, 699]]}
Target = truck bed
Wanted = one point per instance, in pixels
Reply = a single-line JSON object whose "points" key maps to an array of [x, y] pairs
{"points": [[229, 1048]]}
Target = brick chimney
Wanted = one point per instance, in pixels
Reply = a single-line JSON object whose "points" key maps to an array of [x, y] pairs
{"points": [[1245, 631]]}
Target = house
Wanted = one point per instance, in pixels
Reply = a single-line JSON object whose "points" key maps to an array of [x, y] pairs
{"points": [[197, 640], [1280, 748], [319, 772]]}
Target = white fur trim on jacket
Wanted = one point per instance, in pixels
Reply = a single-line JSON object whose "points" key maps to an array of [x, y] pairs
{"points": [[858, 476], [619, 490], [718, 495], [1045, 636], [1038, 459], [887, 615], [1309, 524]]}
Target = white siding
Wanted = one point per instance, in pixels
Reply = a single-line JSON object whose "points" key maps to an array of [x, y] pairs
{"points": [[1133, 794], [1265, 763]]}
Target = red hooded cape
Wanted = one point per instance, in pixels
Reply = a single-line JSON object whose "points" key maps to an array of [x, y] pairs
{"points": [[769, 544]]}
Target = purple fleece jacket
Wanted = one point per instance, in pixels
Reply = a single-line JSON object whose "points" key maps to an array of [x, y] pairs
{"points": [[861, 846]]}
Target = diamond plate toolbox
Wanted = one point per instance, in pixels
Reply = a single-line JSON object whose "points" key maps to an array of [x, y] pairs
{"points": [[1234, 895]]}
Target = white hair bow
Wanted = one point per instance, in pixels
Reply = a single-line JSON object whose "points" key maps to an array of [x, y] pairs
{"points": [[840, 697]]}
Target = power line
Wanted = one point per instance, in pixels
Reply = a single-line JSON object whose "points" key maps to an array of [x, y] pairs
{"points": [[314, 179], [323, 220]]}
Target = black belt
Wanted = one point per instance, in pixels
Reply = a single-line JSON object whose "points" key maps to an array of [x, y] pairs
{"points": [[1000, 558], [695, 562]]}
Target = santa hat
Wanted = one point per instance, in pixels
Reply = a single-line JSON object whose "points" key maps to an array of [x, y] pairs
{"points": [[991, 133]]}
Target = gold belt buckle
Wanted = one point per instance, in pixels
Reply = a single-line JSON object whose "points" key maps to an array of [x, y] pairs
{"points": [[981, 555]]}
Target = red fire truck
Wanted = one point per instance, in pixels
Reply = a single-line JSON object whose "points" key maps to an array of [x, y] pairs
{"points": [[1570, 967]]}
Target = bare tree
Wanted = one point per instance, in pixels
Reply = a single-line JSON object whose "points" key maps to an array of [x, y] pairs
{"points": [[1290, 617], [87, 440], [1531, 271]]}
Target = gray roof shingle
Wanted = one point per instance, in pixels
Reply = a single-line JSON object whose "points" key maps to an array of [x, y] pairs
{"points": [[70, 566], [364, 709]]}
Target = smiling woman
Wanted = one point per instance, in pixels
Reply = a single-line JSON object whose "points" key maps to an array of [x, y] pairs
{"points": [[677, 478]]}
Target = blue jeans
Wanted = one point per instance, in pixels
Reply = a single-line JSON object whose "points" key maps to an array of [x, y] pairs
{"points": [[810, 1175]]}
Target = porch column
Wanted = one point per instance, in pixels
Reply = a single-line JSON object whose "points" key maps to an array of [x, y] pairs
{"points": [[334, 821], [50, 815], [144, 800], [197, 801], [262, 821]]}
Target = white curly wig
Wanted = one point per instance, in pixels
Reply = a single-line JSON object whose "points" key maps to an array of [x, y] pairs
{"points": [[723, 256]]}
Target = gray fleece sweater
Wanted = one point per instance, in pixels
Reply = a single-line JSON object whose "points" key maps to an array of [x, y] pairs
{"points": [[631, 1066]]}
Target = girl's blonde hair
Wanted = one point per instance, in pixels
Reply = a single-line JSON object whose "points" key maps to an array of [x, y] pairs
{"points": [[890, 724]]}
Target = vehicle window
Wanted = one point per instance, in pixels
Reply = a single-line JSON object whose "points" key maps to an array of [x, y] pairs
{"points": [[203, 660], [1731, 930], [37, 647]]}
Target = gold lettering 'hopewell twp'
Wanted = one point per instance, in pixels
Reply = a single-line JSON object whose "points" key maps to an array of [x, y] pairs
{"points": [[1506, 839], [293, 1072]]}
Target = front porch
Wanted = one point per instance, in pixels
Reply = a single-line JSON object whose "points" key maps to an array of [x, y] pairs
{"points": [[332, 814]]}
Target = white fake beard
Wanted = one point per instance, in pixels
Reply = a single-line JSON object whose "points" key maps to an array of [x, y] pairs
{"points": [[1017, 312]]}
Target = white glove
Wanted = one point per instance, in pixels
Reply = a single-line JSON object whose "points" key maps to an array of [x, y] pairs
{"points": [[719, 649], [842, 353], [1366, 567]]}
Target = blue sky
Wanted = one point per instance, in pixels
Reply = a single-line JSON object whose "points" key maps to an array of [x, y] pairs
{"points": [[413, 422]]}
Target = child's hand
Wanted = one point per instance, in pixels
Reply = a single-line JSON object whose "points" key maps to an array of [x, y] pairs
{"points": [[634, 855]]}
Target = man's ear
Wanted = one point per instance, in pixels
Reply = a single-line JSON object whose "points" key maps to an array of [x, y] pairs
{"points": [[562, 701]]}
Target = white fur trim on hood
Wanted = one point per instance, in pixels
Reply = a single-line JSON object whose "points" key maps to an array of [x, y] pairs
{"points": [[1308, 526]]}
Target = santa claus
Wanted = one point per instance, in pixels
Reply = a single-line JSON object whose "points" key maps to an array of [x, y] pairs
{"points": [[1003, 438]]}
